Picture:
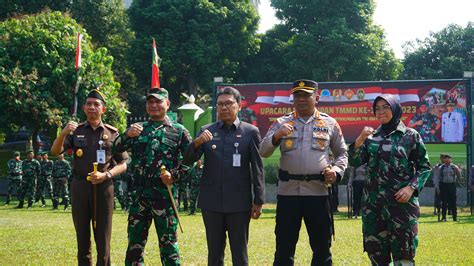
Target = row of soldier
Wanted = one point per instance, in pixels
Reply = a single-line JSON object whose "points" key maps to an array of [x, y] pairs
{"points": [[35, 178], [232, 189], [53, 178]]}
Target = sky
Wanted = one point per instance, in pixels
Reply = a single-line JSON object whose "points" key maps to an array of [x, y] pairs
{"points": [[402, 20]]}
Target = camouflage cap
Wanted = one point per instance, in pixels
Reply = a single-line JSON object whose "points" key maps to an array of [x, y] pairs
{"points": [[29, 151], [158, 93], [16, 153]]}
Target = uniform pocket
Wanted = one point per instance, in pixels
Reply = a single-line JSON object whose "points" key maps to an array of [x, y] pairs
{"points": [[289, 143], [320, 140], [80, 142]]}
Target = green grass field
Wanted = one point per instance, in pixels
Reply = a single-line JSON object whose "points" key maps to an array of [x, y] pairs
{"points": [[44, 237]]}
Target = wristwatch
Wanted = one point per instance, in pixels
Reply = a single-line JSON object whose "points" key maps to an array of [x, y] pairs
{"points": [[108, 175]]}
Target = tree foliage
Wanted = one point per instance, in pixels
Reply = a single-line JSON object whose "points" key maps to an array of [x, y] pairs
{"points": [[197, 40], [11, 8], [329, 41], [37, 73], [442, 55]]}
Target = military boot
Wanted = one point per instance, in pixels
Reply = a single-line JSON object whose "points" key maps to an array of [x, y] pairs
{"points": [[43, 203], [30, 205], [20, 205], [7, 201], [55, 204], [66, 204]]}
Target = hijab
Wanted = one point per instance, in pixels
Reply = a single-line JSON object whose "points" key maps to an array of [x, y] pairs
{"points": [[396, 108]]}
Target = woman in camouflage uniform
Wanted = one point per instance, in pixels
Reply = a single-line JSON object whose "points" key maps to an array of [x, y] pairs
{"points": [[397, 169]]}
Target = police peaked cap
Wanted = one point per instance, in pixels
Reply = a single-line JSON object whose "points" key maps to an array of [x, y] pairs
{"points": [[305, 85]]}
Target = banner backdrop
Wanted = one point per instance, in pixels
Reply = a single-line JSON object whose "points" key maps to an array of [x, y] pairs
{"points": [[436, 109]]}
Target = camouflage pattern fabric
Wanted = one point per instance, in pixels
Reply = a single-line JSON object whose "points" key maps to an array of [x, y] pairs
{"points": [[14, 178], [140, 216], [183, 193], [247, 115], [395, 161], [430, 122], [160, 143], [44, 180], [61, 172], [194, 180], [31, 170]]}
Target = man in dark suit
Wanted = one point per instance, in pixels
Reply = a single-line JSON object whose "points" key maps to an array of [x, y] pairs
{"points": [[232, 167]]}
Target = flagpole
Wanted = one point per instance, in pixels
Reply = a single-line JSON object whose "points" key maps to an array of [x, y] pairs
{"points": [[78, 71]]}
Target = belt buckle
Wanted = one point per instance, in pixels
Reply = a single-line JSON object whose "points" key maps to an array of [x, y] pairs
{"points": [[306, 178]]}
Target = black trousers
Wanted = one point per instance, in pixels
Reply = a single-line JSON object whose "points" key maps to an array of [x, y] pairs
{"points": [[357, 186], [314, 210], [237, 227], [82, 208], [448, 198]]}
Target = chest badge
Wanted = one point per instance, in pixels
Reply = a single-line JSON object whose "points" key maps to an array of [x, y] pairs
{"points": [[213, 146], [105, 137], [288, 143], [79, 153]]}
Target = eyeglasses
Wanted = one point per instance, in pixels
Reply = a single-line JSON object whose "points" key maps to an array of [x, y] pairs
{"points": [[384, 108], [226, 104]]}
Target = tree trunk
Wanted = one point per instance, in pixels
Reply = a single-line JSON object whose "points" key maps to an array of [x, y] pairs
{"points": [[192, 87], [34, 140]]}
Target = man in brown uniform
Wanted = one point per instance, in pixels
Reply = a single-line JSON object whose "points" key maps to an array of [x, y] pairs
{"points": [[91, 142]]}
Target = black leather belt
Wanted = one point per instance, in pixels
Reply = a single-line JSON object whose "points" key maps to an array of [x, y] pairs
{"points": [[285, 176]]}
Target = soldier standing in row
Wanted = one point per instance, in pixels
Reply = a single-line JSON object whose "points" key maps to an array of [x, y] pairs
{"points": [[183, 190], [305, 138], [194, 180], [397, 169], [31, 169], [61, 172], [449, 174], [155, 143], [44, 181], [14, 176]]}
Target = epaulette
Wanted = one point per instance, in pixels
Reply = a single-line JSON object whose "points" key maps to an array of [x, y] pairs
{"points": [[323, 114], [111, 127]]}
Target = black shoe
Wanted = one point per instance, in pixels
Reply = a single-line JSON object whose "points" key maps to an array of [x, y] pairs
{"points": [[7, 202], [30, 206], [54, 208], [192, 213], [66, 207], [20, 206], [443, 220], [36, 200]]}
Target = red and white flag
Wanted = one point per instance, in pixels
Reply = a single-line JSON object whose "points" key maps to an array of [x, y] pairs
{"points": [[265, 97], [155, 71], [282, 96], [78, 51]]}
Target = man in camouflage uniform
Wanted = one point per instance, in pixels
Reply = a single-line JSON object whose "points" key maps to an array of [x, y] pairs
{"points": [[425, 123], [155, 143], [14, 176], [247, 115], [397, 169], [31, 169], [119, 191], [194, 180], [61, 172], [183, 189], [44, 181]]}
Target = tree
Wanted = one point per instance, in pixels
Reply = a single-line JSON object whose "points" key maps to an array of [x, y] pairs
{"points": [[107, 23], [197, 40], [37, 73], [18, 7], [443, 55], [332, 41]]}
